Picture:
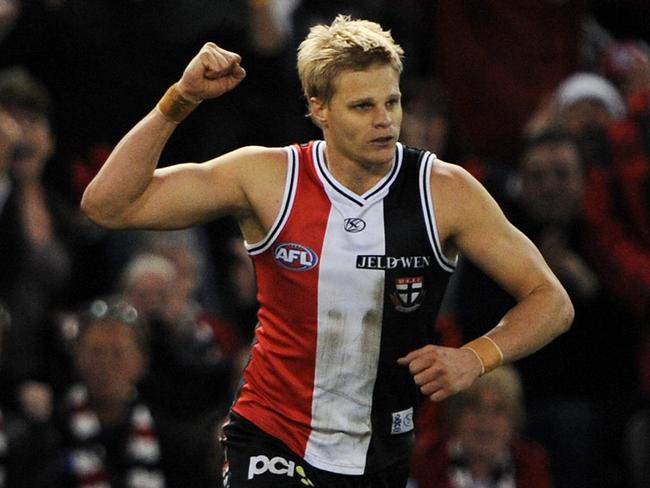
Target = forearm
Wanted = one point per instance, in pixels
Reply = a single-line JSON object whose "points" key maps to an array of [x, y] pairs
{"points": [[127, 172], [124, 192], [35, 216], [535, 321], [266, 37]]}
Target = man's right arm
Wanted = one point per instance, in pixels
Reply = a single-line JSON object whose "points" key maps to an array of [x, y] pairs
{"points": [[129, 192]]}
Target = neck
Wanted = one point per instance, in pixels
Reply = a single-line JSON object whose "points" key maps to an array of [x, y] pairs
{"points": [[110, 411], [480, 470], [356, 175]]}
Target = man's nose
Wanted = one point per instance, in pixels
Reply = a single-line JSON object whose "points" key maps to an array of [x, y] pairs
{"points": [[383, 117]]}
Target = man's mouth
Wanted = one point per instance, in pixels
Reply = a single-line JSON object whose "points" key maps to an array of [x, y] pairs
{"points": [[382, 140]]}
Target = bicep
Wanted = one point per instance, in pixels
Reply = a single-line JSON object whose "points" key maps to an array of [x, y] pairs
{"points": [[485, 236], [188, 194], [508, 257]]}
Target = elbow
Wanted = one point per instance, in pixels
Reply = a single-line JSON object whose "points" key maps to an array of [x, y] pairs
{"points": [[566, 312], [88, 208], [99, 212]]}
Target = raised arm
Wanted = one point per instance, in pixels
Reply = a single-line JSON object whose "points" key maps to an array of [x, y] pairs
{"points": [[129, 192], [471, 222]]}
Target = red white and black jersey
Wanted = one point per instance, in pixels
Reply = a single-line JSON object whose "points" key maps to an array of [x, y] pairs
{"points": [[347, 284]]}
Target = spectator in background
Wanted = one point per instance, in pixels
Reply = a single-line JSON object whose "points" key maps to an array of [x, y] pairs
{"points": [[192, 353], [9, 12], [27, 442], [187, 250], [617, 190], [578, 394], [244, 289], [587, 106], [619, 213], [584, 104], [34, 260], [581, 395], [133, 46], [484, 448], [497, 59], [111, 435], [611, 119], [637, 448], [426, 120]]}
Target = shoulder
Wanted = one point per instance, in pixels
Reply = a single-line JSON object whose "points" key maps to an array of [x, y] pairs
{"points": [[455, 188], [263, 165], [460, 200], [249, 164], [451, 175], [254, 155]]}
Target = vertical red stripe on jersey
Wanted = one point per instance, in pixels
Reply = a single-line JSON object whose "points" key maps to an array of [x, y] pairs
{"points": [[279, 380]]}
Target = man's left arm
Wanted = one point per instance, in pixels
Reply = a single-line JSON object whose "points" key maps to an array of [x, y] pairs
{"points": [[471, 222]]}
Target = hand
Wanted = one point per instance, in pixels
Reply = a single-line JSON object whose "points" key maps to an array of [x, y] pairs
{"points": [[211, 73], [38, 147], [572, 270], [10, 135], [542, 117], [36, 400], [442, 371]]}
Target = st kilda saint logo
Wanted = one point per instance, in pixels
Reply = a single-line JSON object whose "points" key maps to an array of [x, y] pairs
{"points": [[408, 293]]}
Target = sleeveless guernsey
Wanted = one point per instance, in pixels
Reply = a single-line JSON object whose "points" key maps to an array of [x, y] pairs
{"points": [[347, 284]]}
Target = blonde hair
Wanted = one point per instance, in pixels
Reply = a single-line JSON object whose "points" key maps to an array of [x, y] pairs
{"points": [[345, 44], [505, 382], [145, 264]]}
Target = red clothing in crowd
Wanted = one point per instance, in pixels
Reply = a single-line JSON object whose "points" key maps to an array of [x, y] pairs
{"points": [[431, 469], [498, 59], [617, 207]]}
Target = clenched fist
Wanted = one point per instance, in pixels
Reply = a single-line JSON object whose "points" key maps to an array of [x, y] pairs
{"points": [[441, 371], [211, 73]]}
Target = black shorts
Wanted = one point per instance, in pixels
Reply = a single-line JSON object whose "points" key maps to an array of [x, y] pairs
{"points": [[254, 459]]}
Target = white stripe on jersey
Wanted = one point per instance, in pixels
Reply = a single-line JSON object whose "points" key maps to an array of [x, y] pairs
{"points": [[348, 339], [348, 343], [290, 184], [430, 215]]}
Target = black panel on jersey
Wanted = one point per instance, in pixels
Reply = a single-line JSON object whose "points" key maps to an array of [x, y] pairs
{"points": [[413, 292]]}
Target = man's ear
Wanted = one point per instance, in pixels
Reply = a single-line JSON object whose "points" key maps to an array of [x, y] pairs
{"points": [[318, 111]]}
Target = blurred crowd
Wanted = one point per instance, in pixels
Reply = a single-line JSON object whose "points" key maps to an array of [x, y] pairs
{"points": [[120, 351]]}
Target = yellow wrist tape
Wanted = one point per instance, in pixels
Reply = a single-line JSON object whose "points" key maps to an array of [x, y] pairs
{"points": [[174, 107], [487, 351]]}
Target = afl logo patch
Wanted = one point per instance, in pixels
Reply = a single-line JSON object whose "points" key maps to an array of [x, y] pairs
{"points": [[354, 225], [295, 257]]}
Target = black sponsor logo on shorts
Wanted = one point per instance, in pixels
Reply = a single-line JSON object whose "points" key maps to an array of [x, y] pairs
{"points": [[261, 464]]}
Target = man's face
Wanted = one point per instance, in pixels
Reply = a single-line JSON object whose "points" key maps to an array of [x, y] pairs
{"points": [[10, 136], [552, 183], [486, 427], [362, 120], [584, 115], [149, 294], [109, 361]]}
